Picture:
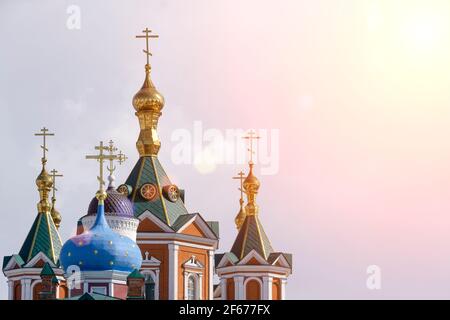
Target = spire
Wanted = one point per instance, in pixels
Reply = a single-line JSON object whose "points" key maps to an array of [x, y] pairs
{"points": [[251, 183], [56, 216], [240, 217], [148, 103], [44, 181]]}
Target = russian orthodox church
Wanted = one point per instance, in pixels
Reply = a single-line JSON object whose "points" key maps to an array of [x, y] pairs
{"points": [[138, 240]]}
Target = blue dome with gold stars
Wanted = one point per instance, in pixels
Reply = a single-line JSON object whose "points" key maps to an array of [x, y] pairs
{"points": [[100, 248]]}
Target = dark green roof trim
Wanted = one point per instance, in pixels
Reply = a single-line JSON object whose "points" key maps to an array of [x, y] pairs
{"points": [[93, 296], [214, 225], [47, 270], [135, 275], [182, 220], [251, 236], [42, 237]]}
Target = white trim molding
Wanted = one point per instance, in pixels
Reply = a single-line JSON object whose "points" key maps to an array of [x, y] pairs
{"points": [[173, 271]]}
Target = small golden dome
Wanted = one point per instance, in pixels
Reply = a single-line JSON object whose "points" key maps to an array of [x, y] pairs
{"points": [[148, 98], [240, 217], [251, 183], [56, 217], [44, 180]]}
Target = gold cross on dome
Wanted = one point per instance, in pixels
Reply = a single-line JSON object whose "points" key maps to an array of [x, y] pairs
{"points": [[147, 35], [100, 157], [250, 137], [44, 134], [54, 174], [240, 176], [120, 157]]}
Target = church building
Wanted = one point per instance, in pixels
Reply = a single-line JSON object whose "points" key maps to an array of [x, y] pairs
{"points": [[137, 240]]}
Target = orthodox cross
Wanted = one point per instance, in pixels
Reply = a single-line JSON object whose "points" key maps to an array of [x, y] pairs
{"points": [[147, 36], [54, 174], [241, 177], [250, 137], [101, 157], [44, 134], [120, 157]]}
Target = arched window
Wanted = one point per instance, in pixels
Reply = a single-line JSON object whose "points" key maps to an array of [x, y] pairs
{"points": [[191, 288], [149, 287]]}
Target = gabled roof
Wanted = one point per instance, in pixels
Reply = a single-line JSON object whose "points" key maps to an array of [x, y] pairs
{"points": [[135, 275], [15, 257], [93, 296], [42, 237], [275, 255], [47, 270], [148, 169], [251, 236]]}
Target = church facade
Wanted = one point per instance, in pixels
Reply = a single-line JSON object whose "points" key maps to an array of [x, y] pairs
{"points": [[137, 240]]}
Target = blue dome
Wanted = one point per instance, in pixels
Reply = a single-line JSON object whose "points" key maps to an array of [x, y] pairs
{"points": [[100, 249]]}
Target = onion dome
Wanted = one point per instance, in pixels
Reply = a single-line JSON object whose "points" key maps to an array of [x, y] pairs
{"points": [[116, 204], [148, 98], [240, 217], [100, 248], [251, 187], [56, 216]]}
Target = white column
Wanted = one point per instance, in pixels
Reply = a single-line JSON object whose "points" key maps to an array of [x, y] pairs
{"points": [[26, 289], [211, 275], [10, 290], [200, 286], [185, 284], [283, 289], [267, 288], [157, 284], [239, 288], [223, 289], [173, 271]]}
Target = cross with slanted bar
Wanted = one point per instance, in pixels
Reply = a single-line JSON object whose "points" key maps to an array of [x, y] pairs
{"points": [[147, 36], [251, 136], [54, 174], [44, 134]]}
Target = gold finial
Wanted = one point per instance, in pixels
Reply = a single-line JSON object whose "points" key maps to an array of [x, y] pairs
{"points": [[56, 216], [44, 181], [240, 217], [148, 103], [251, 183], [101, 157], [147, 36]]}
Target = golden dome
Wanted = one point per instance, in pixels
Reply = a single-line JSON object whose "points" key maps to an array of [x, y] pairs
{"points": [[251, 183], [148, 98], [240, 217], [44, 180], [56, 216]]}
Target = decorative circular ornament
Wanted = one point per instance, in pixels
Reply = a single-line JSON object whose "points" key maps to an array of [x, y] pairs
{"points": [[148, 191], [124, 189], [172, 193]]}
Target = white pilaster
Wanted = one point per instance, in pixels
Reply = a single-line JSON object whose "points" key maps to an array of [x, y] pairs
{"points": [[223, 289], [211, 275], [283, 289], [267, 288], [26, 289], [10, 290], [239, 288], [200, 286], [157, 284], [173, 271]]}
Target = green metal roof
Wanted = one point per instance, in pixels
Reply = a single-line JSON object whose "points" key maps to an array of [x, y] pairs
{"points": [[92, 296], [47, 270], [42, 237], [149, 170], [135, 275], [251, 236]]}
